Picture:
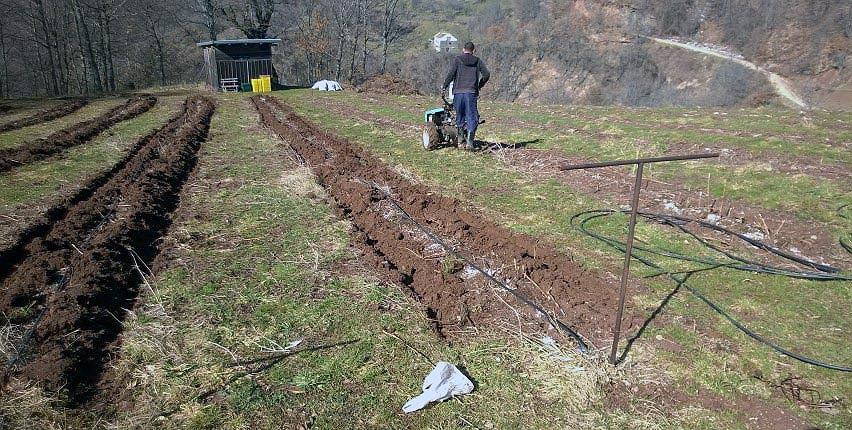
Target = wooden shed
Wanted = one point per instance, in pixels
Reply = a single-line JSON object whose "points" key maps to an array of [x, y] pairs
{"points": [[240, 60]]}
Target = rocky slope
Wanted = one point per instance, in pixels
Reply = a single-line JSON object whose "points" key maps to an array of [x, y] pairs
{"points": [[795, 52]]}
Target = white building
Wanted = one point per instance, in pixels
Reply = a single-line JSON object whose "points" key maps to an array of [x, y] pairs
{"points": [[445, 42]]}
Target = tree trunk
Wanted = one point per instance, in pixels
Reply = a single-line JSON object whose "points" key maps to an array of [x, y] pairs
{"points": [[108, 60], [384, 54], [364, 13], [354, 51], [4, 84], [160, 52], [42, 19], [39, 63], [340, 41], [87, 48], [102, 51]]}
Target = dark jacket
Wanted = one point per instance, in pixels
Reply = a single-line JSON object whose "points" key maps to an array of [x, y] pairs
{"points": [[467, 73]]}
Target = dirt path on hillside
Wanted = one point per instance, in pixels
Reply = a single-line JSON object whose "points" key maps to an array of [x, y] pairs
{"points": [[782, 87], [454, 294], [68, 281], [74, 135], [778, 228], [45, 115]]}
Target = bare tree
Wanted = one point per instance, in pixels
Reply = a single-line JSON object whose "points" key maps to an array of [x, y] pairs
{"points": [[4, 55], [391, 29], [311, 39], [252, 17], [106, 12], [207, 10], [358, 5], [93, 75], [153, 25], [342, 15], [365, 15]]}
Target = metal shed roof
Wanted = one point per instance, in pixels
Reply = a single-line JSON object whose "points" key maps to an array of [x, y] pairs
{"points": [[238, 42]]}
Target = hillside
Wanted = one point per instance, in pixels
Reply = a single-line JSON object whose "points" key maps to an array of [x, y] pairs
{"points": [[591, 51]]}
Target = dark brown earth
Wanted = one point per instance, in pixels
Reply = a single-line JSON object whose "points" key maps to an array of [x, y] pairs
{"points": [[69, 282], [401, 254], [387, 84], [44, 116], [780, 228], [74, 135]]}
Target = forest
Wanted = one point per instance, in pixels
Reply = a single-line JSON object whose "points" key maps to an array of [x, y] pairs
{"points": [[584, 50]]}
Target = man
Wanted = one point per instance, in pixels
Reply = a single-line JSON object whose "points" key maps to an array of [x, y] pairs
{"points": [[468, 74]]}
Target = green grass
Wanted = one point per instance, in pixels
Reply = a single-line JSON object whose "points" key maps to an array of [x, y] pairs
{"points": [[252, 268], [17, 137], [772, 305], [33, 182], [26, 107], [654, 133], [256, 257], [749, 183]]}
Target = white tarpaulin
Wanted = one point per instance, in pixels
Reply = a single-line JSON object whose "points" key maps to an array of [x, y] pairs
{"points": [[325, 85], [442, 383]]}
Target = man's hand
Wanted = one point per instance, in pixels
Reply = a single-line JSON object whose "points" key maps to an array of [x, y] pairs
{"points": [[443, 92]]}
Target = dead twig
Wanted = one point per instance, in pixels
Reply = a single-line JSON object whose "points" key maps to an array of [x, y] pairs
{"points": [[410, 346]]}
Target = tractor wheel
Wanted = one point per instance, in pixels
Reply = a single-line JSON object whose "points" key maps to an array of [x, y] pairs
{"points": [[430, 137]]}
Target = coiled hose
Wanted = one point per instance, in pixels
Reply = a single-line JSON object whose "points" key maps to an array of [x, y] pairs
{"points": [[823, 272]]}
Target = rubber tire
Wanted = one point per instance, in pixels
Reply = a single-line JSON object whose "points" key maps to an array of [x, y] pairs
{"points": [[429, 138]]}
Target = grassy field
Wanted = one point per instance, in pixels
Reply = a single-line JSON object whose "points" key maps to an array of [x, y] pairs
{"points": [[14, 138], [805, 315], [26, 185], [257, 259]]}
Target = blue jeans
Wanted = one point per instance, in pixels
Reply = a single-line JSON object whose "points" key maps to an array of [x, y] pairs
{"points": [[466, 111]]}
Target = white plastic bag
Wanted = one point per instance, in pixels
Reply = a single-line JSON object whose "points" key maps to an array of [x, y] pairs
{"points": [[442, 383]]}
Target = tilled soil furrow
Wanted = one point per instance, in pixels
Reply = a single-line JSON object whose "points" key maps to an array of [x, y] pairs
{"points": [[77, 276], [74, 135], [579, 298], [13, 254], [813, 239], [45, 115]]}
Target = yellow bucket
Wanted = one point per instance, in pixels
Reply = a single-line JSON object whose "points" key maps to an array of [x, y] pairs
{"points": [[266, 83], [256, 86]]}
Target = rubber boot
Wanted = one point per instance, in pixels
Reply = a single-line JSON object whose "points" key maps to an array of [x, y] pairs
{"points": [[469, 141]]}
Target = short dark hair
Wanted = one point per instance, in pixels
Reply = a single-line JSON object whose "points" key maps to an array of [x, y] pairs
{"points": [[469, 46]]}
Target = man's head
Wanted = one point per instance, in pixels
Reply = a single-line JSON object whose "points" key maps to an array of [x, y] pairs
{"points": [[468, 47]]}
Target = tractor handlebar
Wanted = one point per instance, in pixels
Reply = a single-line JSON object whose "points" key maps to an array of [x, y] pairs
{"points": [[444, 98]]}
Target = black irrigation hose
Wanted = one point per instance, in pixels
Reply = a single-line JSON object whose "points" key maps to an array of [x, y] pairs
{"points": [[824, 272], [587, 216], [843, 243], [553, 320]]}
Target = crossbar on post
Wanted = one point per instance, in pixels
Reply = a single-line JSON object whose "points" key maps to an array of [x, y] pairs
{"points": [[634, 208]]}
